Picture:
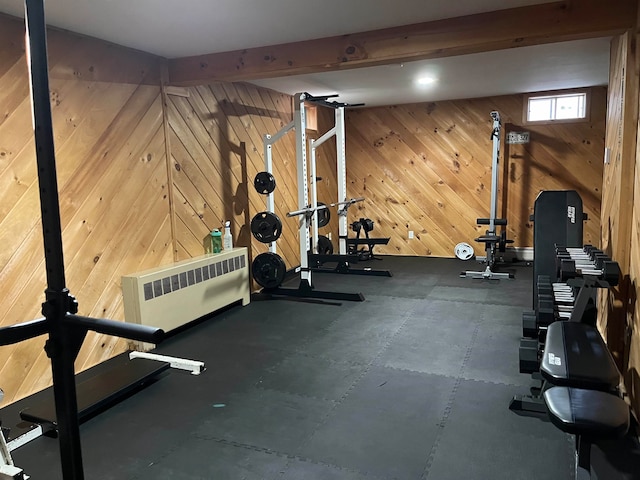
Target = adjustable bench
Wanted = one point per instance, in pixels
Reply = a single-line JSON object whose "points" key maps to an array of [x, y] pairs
{"points": [[590, 415], [584, 400], [574, 356]]}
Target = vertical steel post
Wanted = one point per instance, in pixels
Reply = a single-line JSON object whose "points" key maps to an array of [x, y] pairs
{"points": [[300, 125], [62, 345], [341, 165], [495, 170]]}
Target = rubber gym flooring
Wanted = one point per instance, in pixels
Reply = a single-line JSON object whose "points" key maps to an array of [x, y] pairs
{"points": [[412, 383]]}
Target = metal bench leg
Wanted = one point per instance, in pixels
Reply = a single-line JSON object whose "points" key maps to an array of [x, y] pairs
{"points": [[583, 458]]}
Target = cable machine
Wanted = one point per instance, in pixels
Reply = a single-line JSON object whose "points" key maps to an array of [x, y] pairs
{"points": [[492, 241]]}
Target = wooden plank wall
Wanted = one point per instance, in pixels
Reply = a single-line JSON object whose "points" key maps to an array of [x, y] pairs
{"points": [[427, 168], [107, 114], [618, 307], [125, 207], [217, 141]]}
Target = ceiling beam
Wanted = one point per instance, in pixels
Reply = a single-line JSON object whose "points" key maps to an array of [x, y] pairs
{"points": [[515, 27]]}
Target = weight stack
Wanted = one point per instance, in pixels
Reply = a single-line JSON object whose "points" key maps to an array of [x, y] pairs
{"points": [[557, 220]]}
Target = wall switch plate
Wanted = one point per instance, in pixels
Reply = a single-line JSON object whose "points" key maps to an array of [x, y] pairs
{"points": [[410, 234]]}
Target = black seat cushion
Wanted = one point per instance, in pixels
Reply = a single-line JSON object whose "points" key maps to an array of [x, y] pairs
{"points": [[589, 413], [488, 239], [575, 355]]}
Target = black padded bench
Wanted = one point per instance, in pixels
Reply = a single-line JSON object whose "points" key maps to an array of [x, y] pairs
{"points": [[575, 355], [584, 400], [99, 388], [590, 415]]}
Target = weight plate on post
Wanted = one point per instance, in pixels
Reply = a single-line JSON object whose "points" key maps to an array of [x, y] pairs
{"points": [[464, 251], [324, 215], [266, 227], [325, 247], [268, 270], [265, 183]]}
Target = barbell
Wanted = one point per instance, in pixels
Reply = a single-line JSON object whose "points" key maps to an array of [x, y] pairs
{"points": [[321, 206]]}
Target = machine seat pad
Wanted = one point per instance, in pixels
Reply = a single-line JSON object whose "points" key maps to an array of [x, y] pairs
{"points": [[575, 355], [488, 239], [588, 413]]}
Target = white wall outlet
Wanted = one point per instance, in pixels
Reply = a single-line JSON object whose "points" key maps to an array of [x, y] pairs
{"points": [[607, 155], [410, 234]]}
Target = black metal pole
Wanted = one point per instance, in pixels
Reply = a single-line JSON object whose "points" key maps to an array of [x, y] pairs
{"points": [[64, 342]]}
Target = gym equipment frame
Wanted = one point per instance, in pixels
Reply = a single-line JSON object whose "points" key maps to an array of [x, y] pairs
{"points": [[305, 288], [491, 239], [65, 328], [343, 258]]}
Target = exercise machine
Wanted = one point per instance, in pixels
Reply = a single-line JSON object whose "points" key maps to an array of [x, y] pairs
{"points": [[270, 265], [346, 255], [366, 251], [493, 241], [558, 219]]}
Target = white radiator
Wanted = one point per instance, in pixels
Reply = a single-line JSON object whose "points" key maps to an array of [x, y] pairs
{"points": [[171, 296]]}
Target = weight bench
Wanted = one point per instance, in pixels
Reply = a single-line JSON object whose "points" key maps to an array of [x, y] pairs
{"points": [[574, 356], [583, 400], [590, 415], [353, 244]]}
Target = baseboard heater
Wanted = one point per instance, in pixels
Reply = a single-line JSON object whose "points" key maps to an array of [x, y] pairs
{"points": [[171, 296]]}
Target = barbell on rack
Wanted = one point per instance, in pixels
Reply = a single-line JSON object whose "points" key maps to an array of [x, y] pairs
{"points": [[321, 206]]}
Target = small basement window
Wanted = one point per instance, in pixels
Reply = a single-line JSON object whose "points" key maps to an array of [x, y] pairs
{"points": [[561, 107]]}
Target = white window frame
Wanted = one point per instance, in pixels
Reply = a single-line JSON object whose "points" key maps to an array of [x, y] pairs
{"points": [[555, 95]]}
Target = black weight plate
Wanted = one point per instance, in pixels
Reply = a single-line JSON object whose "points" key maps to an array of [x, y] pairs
{"points": [[268, 270], [264, 183], [325, 247], [266, 227], [324, 215]]}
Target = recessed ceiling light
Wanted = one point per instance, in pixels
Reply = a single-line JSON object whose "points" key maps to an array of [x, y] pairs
{"points": [[425, 80]]}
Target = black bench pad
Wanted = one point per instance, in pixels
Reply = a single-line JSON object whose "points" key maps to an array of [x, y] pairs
{"points": [[575, 355], [588, 413], [97, 391], [487, 221], [488, 239]]}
